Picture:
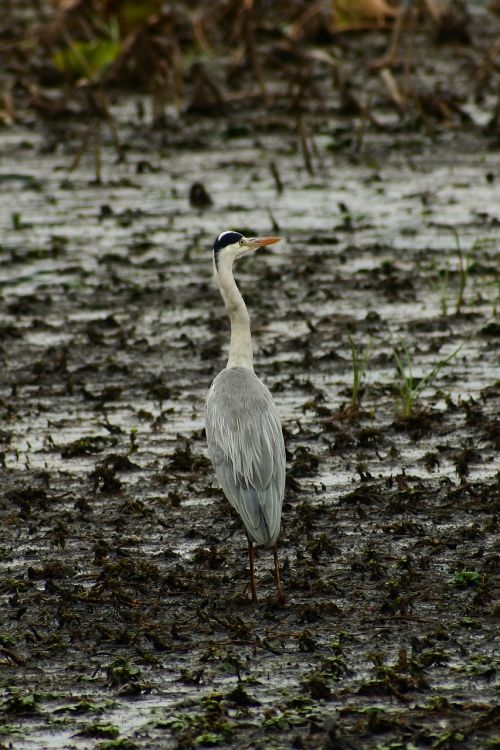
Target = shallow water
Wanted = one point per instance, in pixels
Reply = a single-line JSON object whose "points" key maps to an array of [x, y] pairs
{"points": [[112, 332]]}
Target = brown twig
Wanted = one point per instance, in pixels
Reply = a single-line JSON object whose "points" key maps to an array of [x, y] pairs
{"points": [[276, 175], [297, 29], [8, 115], [83, 146], [392, 88], [485, 69], [306, 153], [360, 134], [97, 152]]}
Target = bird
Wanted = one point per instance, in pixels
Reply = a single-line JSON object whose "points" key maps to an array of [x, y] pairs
{"points": [[243, 428]]}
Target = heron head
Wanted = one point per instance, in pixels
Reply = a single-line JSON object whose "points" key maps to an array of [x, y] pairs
{"points": [[234, 245]]}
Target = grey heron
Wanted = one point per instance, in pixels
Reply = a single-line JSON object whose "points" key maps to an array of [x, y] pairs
{"points": [[244, 435]]}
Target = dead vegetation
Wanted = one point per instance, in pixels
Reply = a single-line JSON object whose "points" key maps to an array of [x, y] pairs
{"points": [[65, 57]]}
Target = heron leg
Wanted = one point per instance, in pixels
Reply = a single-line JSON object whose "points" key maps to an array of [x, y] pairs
{"points": [[279, 585], [251, 558]]}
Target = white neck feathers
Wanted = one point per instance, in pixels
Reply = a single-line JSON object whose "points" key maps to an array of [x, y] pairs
{"points": [[240, 347]]}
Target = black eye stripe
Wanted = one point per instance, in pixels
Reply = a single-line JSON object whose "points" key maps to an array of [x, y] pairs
{"points": [[225, 239]]}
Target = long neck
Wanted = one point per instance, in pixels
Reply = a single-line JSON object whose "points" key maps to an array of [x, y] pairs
{"points": [[240, 347]]}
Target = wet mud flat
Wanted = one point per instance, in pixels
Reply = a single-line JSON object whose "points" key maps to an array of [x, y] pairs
{"points": [[125, 620]]}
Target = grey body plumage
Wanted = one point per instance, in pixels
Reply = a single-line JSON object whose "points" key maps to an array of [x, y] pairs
{"points": [[245, 444]]}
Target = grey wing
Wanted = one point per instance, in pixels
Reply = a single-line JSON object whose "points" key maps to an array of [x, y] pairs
{"points": [[245, 444]]}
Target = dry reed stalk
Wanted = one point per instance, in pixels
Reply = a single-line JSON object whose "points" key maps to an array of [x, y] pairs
{"points": [[392, 88], [297, 28], [8, 113], [306, 152], [361, 131]]}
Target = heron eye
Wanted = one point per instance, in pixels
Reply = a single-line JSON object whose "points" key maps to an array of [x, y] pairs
{"points": [[242, 242]]}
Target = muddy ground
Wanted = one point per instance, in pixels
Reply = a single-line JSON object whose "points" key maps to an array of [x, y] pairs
{"points": [[125, 620]]}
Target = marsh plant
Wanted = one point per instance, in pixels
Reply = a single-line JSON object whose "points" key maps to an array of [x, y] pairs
{"points": [[359, 360], [441, 285], [442, 280], [495, 308], [464, 265], [410, 386]]}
